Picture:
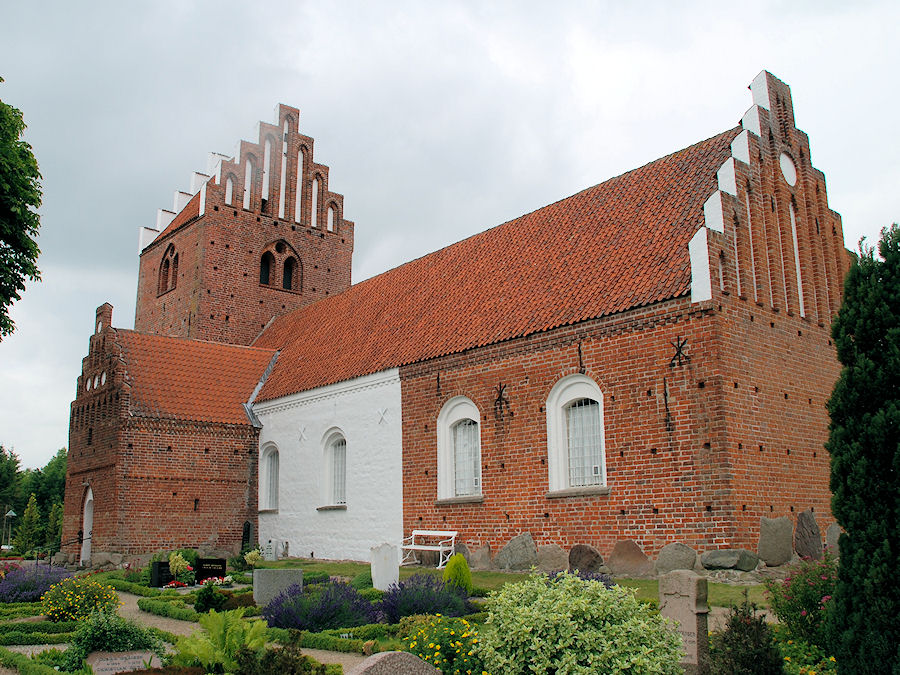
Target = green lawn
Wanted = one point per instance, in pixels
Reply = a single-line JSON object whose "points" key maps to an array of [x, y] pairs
{"points": [[720, 595]]}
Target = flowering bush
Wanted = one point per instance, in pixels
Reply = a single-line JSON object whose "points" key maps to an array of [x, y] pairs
{"points": [[219, 581], [447, 644], [423, 594], [800, 657], [575, 626], [175, 584], [331, 605], [180, 568], [802, 601], [28, 584], [76, 598], [6, 567], [253, 558]]}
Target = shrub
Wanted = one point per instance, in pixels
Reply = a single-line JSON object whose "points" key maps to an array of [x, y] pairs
{"points": [[235, 600], [457, 573], [172, 610], [575, 626], [107, 632], [802, 601], [6, 567], [209, 598], [360, 581], [29, 584], [746, 646], [286, 659], [604, 579], [191, 555], [180, 568], [237, 563], [447, 644], [334, 606], [319, 578], [217, 646], [422, 594], [76, 598], [253, 558], [371, 594]]}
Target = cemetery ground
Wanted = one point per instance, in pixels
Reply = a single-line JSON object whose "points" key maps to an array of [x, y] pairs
{"points": [[173, 613]]}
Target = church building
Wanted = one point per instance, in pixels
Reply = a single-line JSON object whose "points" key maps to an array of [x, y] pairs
{"points": [[646, 360]]}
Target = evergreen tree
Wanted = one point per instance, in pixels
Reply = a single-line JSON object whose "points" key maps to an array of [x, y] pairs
{"points": [[864, 444], [53, 534], [28, 535]]}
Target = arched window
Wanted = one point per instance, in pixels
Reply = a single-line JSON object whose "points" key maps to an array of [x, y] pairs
{"points": [[336, 469], [314, 213], [266, 169], [268, 479], [288, 273], [298, 207], [330, 221], [163, 277], [266, 267], [168, 271], [575, 435], [229, 190], [459, 449]]}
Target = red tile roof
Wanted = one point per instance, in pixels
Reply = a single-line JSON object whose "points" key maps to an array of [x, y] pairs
{"points": [[612, 247], [177, 378]]}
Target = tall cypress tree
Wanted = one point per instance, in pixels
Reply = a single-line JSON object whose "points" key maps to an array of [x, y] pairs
{"points": [[864, 443]]}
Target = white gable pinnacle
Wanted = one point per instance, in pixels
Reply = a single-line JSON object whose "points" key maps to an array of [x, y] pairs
{"points": [[740, 147], [701, 284], [714, 212]]}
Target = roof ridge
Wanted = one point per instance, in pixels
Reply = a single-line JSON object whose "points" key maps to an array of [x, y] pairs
{"points": [[182, 338]]}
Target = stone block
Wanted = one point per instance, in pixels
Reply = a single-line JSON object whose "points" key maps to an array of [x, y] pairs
{"points": [[519, 554], [385, 566], [730, 559], [832, 535], [584, 558], [480, 558], [552, 558], [807, 536], [99, 559], [60, 559], [393, 663], [675, 556], [628, 560], [682, 597], [116, 559], [776, 537], [269, 583]]}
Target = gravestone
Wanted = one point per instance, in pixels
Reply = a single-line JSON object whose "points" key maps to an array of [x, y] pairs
{"points": [[246, 531], [675, 556], [269, 583], [776, 540], [385, 566], [160, 574], [628, 560], [552, 558], [393, 663], [519, 554], [269, 553], [209, 567], [832, 535], [584, 558], [682, 597], [110, 663], [730, 559], [807, 536]]}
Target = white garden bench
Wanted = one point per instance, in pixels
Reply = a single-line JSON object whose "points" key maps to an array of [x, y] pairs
{"points": [[441, 541]]}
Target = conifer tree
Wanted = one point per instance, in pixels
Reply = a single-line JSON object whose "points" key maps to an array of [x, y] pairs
{"points": [[864, 444], [53, 535], [28, 535]]}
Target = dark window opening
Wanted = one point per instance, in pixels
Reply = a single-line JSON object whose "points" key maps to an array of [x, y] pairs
{"points": [[265, 268], [287, 281]]}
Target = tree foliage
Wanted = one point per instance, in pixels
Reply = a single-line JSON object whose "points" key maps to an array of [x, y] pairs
{"points": [[864, 444], [20, 195], [30, 531]]}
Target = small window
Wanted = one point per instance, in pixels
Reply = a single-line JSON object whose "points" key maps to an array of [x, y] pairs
{"points": [[459, 449], [168, 271], [575, 435], [584, 443], [268, 498], [339, 471], [465, 458], [330, 222], [229, 190], [287, 276], [266, 265]]}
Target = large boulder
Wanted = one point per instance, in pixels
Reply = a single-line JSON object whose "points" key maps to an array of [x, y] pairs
{"points": [[479, 558], [393, 663], [628, 560], [675, 556], [730, 559], [776, 540], [832, 535], [99, 559], [807, 536], [552, 558], [584, 558], [519, 554]]}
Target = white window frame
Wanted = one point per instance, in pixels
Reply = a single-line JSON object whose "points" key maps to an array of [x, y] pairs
{"points": [[269, 478], [456, 410], [564, 393], [333, 470]]}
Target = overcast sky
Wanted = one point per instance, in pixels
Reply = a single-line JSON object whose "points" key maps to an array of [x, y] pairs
{"points": [[438, 120]]}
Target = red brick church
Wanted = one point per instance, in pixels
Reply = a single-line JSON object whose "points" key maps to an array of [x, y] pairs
{"points": [[647, 360]]}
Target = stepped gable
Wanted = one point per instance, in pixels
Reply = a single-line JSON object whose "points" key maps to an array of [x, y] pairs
{"points": [[618, 245], [177, 378]]}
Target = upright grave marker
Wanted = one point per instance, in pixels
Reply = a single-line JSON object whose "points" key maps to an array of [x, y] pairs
{"points": [[682, 597]]}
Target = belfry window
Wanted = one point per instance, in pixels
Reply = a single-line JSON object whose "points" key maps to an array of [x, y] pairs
{"points": [[266, 267], [287, 276], [168, 271]]}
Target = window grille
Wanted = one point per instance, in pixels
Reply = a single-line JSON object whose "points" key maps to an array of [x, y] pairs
{"points": [[272, 482], [466, 458], [584, 437], [339, 471]]}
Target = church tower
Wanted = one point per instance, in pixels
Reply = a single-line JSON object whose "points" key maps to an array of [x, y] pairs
{"points": [[258, 235]]}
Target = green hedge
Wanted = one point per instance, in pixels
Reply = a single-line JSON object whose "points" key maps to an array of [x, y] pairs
{"points": [[25, 666], [39, 627], [34, 638], [134, 589], [370, 631], [329, 642], [168, 609], [15, 610]]}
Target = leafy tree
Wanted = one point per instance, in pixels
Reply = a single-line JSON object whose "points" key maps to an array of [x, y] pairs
{"points": [[864, 444], [9, 478], [20, 194], [28, 535]]}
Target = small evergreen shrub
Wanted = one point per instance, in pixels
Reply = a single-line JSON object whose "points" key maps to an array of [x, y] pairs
{"points": [[336, 605], [803, 600], [285, 659], [422, 594], [447, 644], [209, 598], [77, 598], [107, 632], [235, 600], [569, 625], [318, 578], [746, 646], [457, 573], [359, 582], [29, 584], [371, 594]]}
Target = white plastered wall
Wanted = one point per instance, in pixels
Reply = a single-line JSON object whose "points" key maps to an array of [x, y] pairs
{"points": [[366, 410]]}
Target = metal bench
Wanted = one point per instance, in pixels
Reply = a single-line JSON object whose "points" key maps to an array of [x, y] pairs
{"points": [[441, 541]]}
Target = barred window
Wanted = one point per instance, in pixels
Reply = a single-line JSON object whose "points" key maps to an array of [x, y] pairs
{"points": [[584, 443], [576, 442], [339, 471], [459, 449], [466, 458]]}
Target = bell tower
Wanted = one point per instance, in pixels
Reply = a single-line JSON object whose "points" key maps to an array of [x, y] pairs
{"points": [[259, 234]]}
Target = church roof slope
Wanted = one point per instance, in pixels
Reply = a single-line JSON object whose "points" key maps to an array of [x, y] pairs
{"points": [[177, 378], [612, 247]]}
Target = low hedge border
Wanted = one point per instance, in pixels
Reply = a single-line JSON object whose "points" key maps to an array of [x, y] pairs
{"points": [[25, 666], [15, 610], [133, 588], [168, 609], [34, 638], [39, 627]]}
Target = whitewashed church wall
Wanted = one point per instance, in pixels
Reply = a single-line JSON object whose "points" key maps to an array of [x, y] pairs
{"points": [[366, 413]]}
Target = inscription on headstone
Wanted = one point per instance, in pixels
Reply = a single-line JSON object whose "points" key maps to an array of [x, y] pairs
{"points": [[208, 568], [110, 663], [682, 597], [160, 574], [385, 566], [269, 552]]}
